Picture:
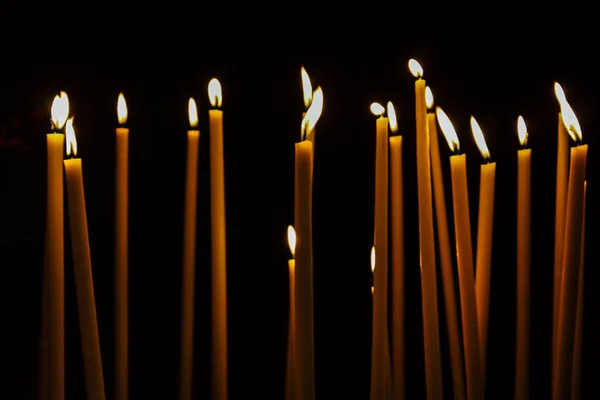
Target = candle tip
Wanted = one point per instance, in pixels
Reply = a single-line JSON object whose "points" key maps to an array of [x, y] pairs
{"points": [[415, 68], [215, 93]]}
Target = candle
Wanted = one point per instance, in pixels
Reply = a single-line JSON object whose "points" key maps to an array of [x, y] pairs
{"points": [[397, 266], [571, 256], [291, 363], [304, 351], [55, 249], [189, 256], [454, 337], [433, 367], [219, 273], [82, 263], [464, 252], [577, 349], [373, 273], [121, 253]]}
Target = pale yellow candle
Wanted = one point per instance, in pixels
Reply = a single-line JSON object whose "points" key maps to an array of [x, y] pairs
{"points": [[454, 337], [82, 263], [189, 256], [578, 347], [122, 254], [523, 264], [460, 196], [55, 248], [571, 257], [290, 390], [218, 249], [433, 366]]}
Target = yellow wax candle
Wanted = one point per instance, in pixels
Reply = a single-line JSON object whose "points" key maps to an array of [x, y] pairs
{"points": [[523, 264], [577, 348], [454, 337], [189, 256], [433, 367], [397, 265], [460, 196], [289, 377], [122, 254], [55, 252], [82, 263]]}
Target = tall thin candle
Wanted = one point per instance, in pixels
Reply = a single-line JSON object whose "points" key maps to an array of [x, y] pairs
{"points": [[290, 389]]}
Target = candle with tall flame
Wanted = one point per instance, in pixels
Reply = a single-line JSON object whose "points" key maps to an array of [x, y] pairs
{"points": [[460, 196], [454, 338], [571, 255], [578, 346], [189, 256], [304, 351], [82, 264], [290, 389], [433, 367], [122, 254]]}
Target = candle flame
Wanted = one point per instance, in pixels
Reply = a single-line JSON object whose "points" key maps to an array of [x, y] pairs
{"points": [[291, 233], [306, 87], [60, 110], [192, 113], [313, 113], [121, 109], [428, 98], [568, 115], [447, 129], [522, 131], [560, 93], [71, 142], [214, 93], [479, 138], [373, 259], [377, 109], [415, 68], [391, 112]]}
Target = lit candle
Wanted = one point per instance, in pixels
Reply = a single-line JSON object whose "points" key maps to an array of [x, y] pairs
{"points": [[121, 254], [578, 347], [397, 267], [466, 280], [55, 252], [304, 351], [454, 338], [218, 237], [290, 390], [373, 274], [433, 367], [189, 256], [485, 225], [82, 263], [571, 255], [307, 93]]}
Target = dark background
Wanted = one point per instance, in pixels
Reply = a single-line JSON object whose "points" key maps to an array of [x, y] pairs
{"points": [[492, 76]]}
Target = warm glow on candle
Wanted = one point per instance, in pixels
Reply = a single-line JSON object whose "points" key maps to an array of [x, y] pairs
{"points": [[415, 68], [522, 131], [71, 142], [306, 88], [479, 139], [447, 129], [214, 92], [377, 109], [291, 233], [192, 113], [391, 111], [60, 110], [428, 98], [122, 109], [313, 113], [373, 259]]}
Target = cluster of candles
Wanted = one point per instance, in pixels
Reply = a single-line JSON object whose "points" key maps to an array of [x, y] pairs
{"points": [[387, 376]]}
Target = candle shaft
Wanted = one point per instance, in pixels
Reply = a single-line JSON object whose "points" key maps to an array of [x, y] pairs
{"points": [[43, 367], [189, 268], [289, 385], [219, 274], [84, 283]]}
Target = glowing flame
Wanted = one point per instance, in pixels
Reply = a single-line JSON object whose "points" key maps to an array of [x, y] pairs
{"points": [[60, 110], [313, 113], [415, 68], [428, 98], [391, 111], [522, 131], [373, 259], [292, 239], [568, 115], [479, 138], [71, 141], [306, 87], [377, 109], [122, 110], [214, 92], [560, 93], [192, 113], [447, 129]]}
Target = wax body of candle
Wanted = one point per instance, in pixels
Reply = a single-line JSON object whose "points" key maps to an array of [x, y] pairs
{"points": [[570, 275], [465, 276], [304, 352], [290, 390], [56, 267], [43, 367], [577, 348], [189, 267], [84, 283]]}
